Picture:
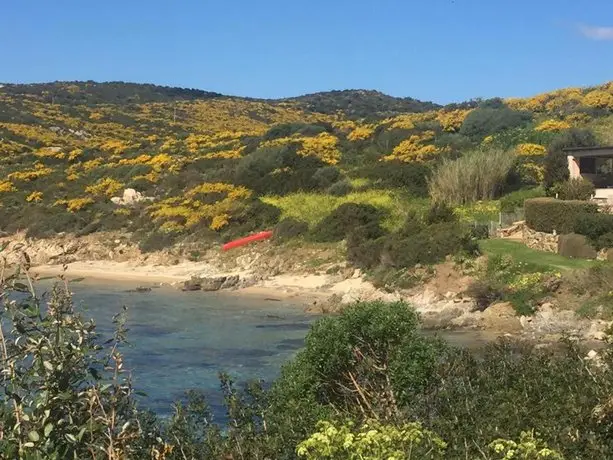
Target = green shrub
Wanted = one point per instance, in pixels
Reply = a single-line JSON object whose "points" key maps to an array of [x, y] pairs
{"points": [[486, 121], [440, 212], [593, 226], [515, 200], [290, 228], [340, 188], [430, 245], [576, 246], [549, 214], [411, 177], [574, 189], [325, 177], [251, 217], [476, 176], [348, 216], [485, 292], [364, 246]]}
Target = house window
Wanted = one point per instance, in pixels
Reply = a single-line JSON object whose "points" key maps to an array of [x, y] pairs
{"points": [[587, 165]]}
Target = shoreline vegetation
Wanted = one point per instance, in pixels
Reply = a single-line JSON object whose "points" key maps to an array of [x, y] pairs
{"points": [[366, 383]]}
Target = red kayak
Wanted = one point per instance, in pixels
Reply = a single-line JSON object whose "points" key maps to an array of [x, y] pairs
{"points": [[247, 240]]}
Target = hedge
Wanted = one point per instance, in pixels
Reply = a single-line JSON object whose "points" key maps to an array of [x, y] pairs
{"points": [[549, 214]]}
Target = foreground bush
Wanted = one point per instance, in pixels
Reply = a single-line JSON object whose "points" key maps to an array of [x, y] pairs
{"points": [[66, 394], [476, 176], [549, 214], [575, 189]]}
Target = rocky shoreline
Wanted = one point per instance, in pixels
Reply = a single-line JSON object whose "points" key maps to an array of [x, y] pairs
{"points": [[259, 270]]}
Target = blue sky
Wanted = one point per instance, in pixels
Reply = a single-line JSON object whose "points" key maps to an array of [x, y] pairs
{"points": [[440, 50]]}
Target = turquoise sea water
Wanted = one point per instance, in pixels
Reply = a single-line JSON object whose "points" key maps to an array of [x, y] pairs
{"points": [[182, 340]]}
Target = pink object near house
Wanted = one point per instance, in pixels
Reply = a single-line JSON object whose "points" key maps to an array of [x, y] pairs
{"points": [[596, 165]]}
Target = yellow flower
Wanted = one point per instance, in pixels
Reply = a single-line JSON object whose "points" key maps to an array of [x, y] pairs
{"points": [[7, 186], [531, 150], [552, 126], [105, 187], [361, 133], [34, 197], [75, 204]]}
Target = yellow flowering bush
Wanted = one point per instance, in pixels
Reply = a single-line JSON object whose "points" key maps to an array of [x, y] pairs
{"points": [[50, 152], [452, 120], [531, 172], [75, 204], [210, 202], [531, 150], [415, 149], [371, 441], [552, 126], [35, 197], [115, 146], [7, 186], [105, 187], [28, 175], [323, 146], [74, 154], [598, 99], [361, 133]]}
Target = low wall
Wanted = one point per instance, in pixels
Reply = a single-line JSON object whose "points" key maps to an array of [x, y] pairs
{"points": [[540, 241]]}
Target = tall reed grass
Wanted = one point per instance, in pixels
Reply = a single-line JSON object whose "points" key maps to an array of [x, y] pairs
{"points": [[476, 176]]}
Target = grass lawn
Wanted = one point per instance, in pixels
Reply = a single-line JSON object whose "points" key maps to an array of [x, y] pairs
{"points": [[522, 253]]}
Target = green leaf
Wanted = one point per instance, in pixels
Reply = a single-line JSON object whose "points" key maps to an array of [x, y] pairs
{"points": [[48, 365], [4, 246], [71, 437], [33, 435], [48, 429], [81, 433], [28, 444]]}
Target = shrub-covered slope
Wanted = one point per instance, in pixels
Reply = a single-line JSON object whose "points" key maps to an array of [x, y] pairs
{"points": [[205, 161]]}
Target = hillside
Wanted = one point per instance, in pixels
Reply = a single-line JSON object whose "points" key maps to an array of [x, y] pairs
{"points": [[213, 166]]}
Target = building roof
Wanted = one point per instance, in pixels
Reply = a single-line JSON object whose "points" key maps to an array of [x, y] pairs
{"points": [[601, 151]]}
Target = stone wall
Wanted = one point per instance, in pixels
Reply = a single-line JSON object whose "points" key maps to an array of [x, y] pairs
{"points": [[540, 241]]}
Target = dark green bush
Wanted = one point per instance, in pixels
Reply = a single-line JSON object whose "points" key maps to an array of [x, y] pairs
{"points": [[574, 189], [364, 246], [440, 212], [252, 217], [341, 188], [487, 121], [347, 217], [485, 292], [593, 226], [412, 177], [155, 240], [364, 253], [326, 176], [576, 246], [430, 245], [290, 228], [515, 200], [549, 214]]}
